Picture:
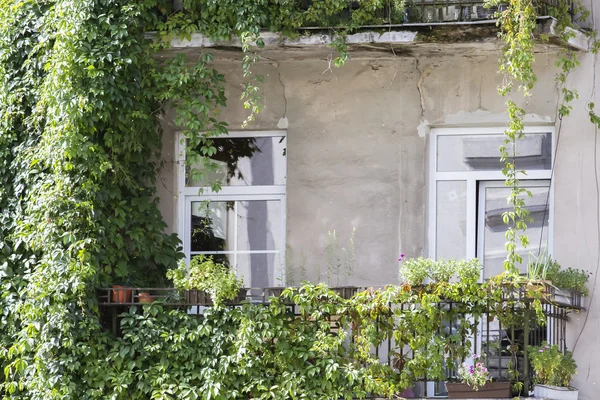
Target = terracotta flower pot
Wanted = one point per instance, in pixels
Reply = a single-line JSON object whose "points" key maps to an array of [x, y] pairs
{"points": [[121, 294], [144, 297], [491, 390]]}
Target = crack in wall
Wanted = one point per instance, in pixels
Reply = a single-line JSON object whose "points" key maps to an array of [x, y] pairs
{"points": [[420, 88], [285, 101], [283, 121], [423, 128]]}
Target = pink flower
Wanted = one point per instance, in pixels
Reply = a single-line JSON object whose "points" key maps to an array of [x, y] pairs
{"points": [[479, 364], [540, 350]]}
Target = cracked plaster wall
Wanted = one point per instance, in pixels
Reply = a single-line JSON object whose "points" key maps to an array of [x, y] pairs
{"points": [[357, 146]]}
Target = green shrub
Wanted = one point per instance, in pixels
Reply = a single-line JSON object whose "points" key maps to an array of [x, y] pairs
{"points": [[572, 279], [416, 271], [551, 366], [205, 274]]}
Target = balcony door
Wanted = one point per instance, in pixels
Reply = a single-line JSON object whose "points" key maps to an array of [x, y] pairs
{"points": [[491, 229]]}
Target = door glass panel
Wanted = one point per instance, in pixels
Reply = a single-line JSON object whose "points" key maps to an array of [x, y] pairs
{"points": [[494, 228], [480, 152], [451, 220], [259, 225], [259, 269], [212, 226], [243, 162], [243, 234]]}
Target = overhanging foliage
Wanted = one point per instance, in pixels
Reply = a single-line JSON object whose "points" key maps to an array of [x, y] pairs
{"points": [[81, 97]]}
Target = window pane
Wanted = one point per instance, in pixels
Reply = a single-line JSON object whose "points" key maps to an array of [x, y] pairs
{"points": [[244, 162], [451, 220], [495, 229], [225, 259], [212, 226], [259, 225], [259, 269], [481, 152]]}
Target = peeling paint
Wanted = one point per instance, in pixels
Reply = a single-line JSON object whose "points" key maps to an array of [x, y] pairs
{"points": [[423, 128]]}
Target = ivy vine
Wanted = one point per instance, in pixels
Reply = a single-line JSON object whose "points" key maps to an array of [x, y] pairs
{"points": [[81, 98]]}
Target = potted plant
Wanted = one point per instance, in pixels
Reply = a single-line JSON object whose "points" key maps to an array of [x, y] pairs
{"points": [[476, 383], [545, 272], [145, 297], [421, 271], [568, 282], [121, 293], [208, 276], [553, 371], [539, 273]]}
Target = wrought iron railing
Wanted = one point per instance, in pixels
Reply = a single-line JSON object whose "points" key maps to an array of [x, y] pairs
{"points": [[426, 11], [490, 335], [435, 11]]}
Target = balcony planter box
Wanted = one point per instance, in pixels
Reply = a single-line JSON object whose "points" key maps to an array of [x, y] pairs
{"points": [[568, 297], [198, 298], [242, 296], [345, 292], [491, 390], [555, 392], [541, 287]]}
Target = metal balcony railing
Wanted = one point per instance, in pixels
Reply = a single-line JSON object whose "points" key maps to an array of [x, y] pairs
{"points": [[436, 11], [489, 335]]}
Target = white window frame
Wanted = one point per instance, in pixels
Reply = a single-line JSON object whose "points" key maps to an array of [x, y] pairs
{"points": [[472, 177], [187, 195]]}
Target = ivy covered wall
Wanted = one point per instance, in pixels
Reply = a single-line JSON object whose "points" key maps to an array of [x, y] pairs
{"points": [[81, 96]]}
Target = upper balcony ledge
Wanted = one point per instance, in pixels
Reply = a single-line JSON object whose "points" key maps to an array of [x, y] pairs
{"points": [[386, 37]]}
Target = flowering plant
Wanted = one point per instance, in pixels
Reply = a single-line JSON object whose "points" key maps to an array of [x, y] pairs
{"points": [[551, 366], [476, 375]]}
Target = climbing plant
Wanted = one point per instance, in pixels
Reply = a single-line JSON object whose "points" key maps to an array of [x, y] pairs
{"points": [[82, 95], [518, 22]]}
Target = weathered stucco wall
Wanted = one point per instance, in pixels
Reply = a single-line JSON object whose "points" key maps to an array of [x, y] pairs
{"points": [[577, 213], [357, 145]]}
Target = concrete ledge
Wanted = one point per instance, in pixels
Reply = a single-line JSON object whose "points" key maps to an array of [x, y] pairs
{"points": [[444, 32]]}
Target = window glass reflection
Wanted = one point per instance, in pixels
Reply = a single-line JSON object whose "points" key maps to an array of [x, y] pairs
{"points": [[451, 220], [212, 226], [243, 162], [495, 228], [259, 225], [480, 152]]}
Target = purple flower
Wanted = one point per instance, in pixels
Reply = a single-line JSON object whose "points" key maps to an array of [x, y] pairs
{"points": [[479, 364], [475, 356], [540, 350], [484, 369], [546, 347]]}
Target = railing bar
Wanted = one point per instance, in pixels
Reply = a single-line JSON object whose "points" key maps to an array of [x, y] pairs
{"points": [[389, 352]]}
